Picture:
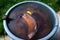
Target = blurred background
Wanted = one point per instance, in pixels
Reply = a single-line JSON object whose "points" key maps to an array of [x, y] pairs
{"points": [[6, 4]]}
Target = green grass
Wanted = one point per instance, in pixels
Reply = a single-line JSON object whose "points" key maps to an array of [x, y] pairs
{"points": [[6, 4]]}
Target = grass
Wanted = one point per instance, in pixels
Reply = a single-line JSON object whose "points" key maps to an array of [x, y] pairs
{"points": [[6, 4]]}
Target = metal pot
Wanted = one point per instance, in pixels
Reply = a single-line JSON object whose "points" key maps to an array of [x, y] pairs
{"points": [[46, 9]]}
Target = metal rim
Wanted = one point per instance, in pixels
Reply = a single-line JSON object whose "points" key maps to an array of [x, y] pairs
{"points": [[44, 38]]}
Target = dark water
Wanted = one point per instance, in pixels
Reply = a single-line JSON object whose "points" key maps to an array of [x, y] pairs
{"points": [[19, 27]]}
